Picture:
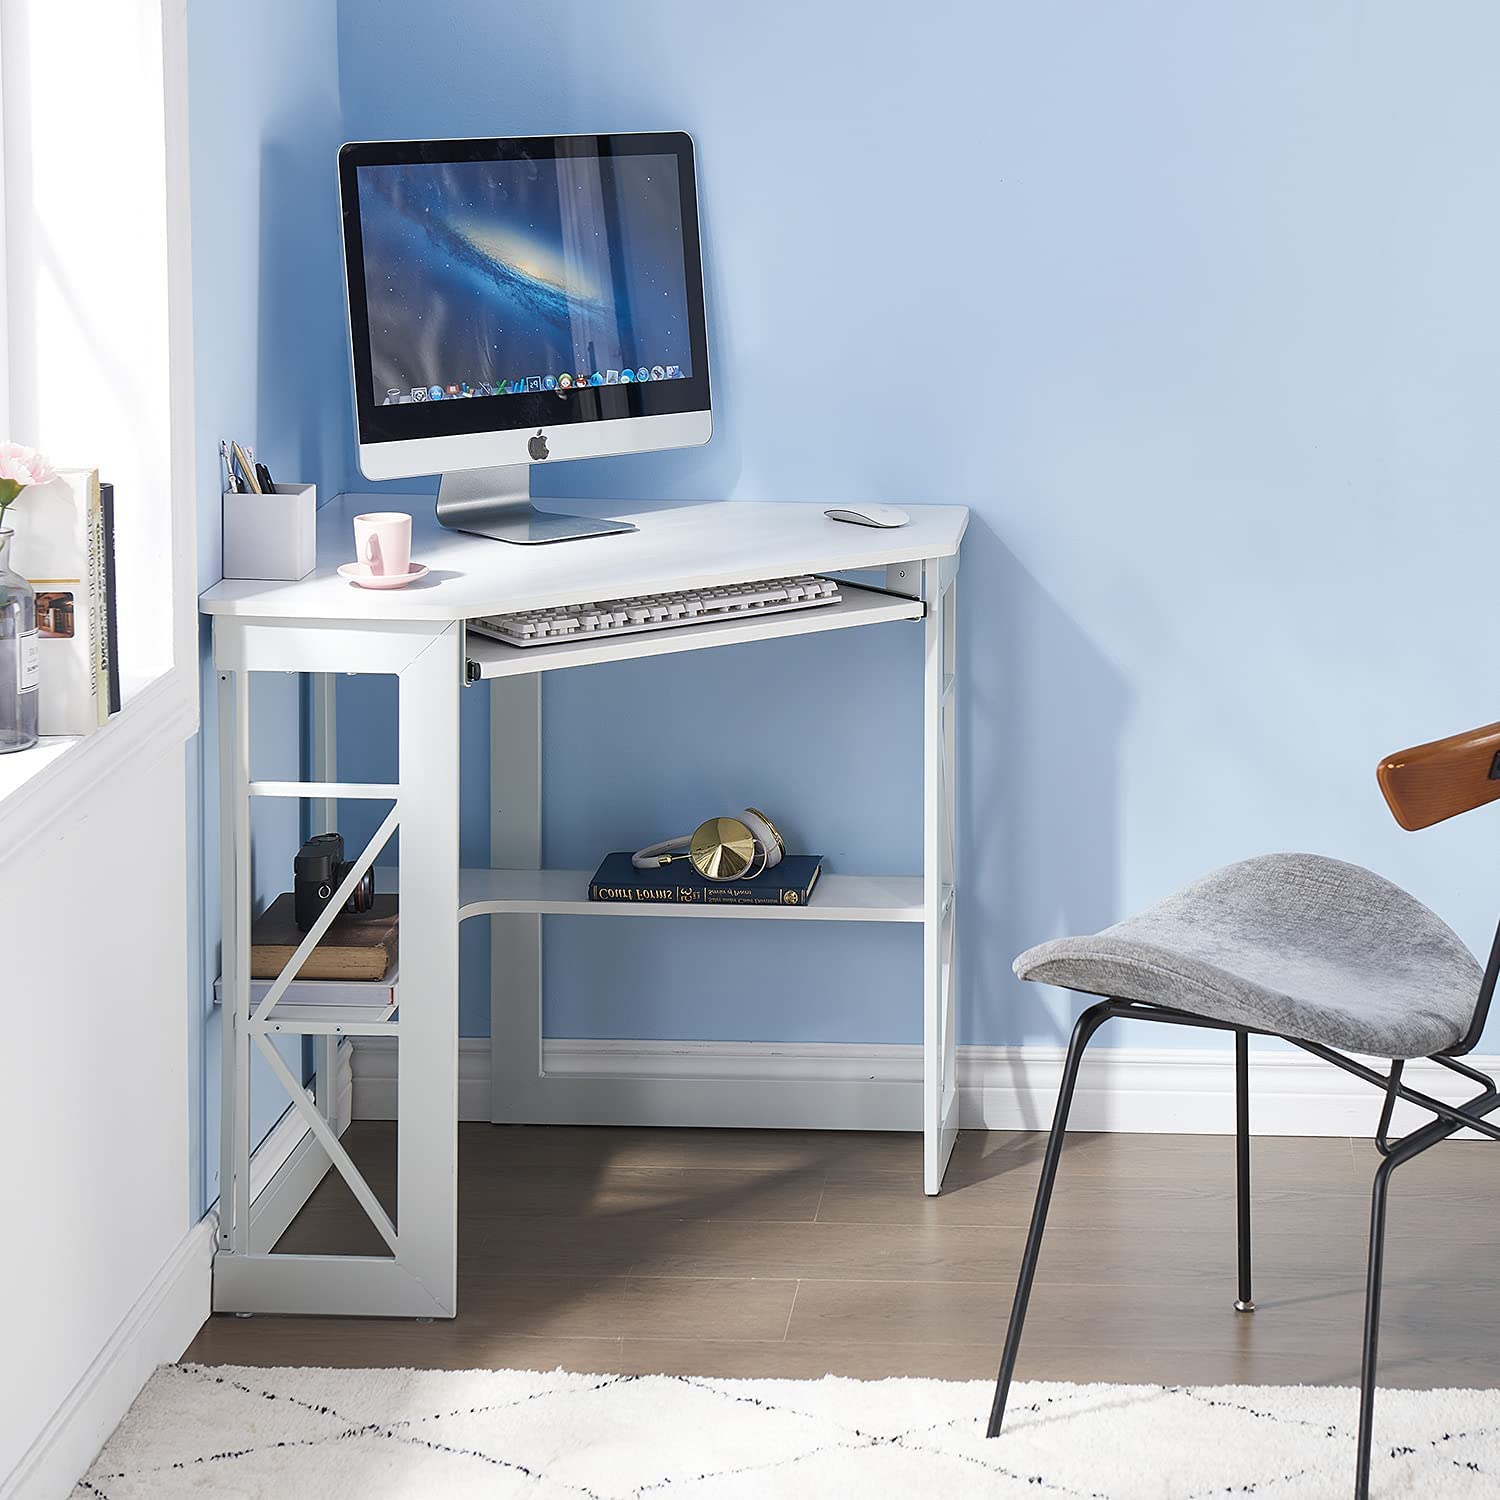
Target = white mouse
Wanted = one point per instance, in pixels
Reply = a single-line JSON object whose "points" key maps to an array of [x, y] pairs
{"points": [[870, 515]]}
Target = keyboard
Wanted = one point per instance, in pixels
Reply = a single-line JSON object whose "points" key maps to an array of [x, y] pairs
{"points": [[610, 617]]}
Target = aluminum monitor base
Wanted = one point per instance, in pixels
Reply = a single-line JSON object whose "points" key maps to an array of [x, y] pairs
{"points": [[497, 503]]}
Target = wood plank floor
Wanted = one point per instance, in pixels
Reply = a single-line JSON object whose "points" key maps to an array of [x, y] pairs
{"points": [[797, 1254]]}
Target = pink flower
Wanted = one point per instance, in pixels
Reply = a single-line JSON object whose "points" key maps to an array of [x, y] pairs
{"points": [[24, 466]]}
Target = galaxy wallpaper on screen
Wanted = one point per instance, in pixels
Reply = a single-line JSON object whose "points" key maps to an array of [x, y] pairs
{"points": [[486, 277]]}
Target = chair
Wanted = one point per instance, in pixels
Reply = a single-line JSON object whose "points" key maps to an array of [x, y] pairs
{"points": [[1326, 956]]}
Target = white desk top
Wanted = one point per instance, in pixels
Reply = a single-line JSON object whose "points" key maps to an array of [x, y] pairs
{"points": [[679, 545]]}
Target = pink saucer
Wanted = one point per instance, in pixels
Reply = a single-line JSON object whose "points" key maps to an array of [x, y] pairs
{"points": [[358, 572]]}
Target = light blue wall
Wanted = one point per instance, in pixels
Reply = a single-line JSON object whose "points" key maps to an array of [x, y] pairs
{"points": [[269, 369], [1194, 306]]}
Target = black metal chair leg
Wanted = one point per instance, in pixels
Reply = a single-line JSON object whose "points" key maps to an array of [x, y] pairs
{"points": [[1088, 1023], [1403, 1150], [1245, 1302], [1372, 1329]]}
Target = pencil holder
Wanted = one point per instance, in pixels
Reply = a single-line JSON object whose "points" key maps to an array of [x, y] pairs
{"points": [[272, 536]]}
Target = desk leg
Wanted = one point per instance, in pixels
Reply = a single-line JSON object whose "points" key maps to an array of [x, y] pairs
{"points": [[939, 923], [419, 1278], [323, 702], [234, 883], [516, 940], [427, 1086]]}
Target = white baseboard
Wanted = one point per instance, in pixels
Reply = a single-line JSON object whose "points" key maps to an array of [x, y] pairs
{"points": [[374, 1073], [169, 1313], [1000, 1088]]}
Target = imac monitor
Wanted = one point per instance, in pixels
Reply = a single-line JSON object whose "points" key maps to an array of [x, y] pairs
{"points": [[515, 301]]}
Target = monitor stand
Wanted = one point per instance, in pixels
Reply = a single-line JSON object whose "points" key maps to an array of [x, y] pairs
{"points": [[497, 503]]}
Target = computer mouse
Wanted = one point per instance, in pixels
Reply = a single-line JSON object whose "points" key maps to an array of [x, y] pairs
{"points": [[870, 515]]}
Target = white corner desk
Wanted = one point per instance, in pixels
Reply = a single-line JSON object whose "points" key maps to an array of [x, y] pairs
{"points": [[325, 627]]}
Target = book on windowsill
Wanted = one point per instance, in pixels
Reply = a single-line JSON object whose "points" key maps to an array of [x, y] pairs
{"points": [[60, 549], [357, 945], [790, 883]]}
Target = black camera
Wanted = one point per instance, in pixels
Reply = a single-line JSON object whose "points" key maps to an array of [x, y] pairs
{"points": [[316, 872]]}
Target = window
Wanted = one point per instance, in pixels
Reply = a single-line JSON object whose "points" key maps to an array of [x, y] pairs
{"points": [[96, 299]]}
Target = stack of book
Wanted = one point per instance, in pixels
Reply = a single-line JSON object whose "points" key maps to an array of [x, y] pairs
{"points": [[65, 549], [358, 946], [353, 968]]}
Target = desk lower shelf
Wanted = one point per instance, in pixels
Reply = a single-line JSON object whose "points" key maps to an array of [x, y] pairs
{"points": [[838, 898]]}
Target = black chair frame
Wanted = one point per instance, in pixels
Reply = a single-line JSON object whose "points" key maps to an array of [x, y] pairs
{"points": [[1448, 1119]]}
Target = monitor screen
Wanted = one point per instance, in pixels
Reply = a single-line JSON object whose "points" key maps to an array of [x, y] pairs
{"points": [[514, 284]]}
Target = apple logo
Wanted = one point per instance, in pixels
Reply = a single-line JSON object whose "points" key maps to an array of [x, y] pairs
{"points": [[537, 447]]}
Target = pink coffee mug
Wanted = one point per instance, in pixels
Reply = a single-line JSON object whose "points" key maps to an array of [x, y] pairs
{"points": [[383, 540]]}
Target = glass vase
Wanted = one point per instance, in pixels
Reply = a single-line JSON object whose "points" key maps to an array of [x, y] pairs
{"points": [[19, 670]]}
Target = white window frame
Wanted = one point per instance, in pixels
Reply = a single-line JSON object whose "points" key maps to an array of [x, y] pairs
{"points": [[161, 707]]}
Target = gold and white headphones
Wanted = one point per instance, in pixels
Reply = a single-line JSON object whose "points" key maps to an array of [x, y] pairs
{"points": [[722, 849]]}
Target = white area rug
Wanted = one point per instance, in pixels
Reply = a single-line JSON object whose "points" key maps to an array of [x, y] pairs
{"points": [[384, 1434]]}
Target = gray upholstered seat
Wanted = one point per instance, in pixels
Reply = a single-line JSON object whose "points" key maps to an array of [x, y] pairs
{"points": [[1292, 944]]}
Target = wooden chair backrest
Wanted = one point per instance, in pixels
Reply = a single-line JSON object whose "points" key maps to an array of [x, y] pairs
{"points": [[1439, 780]]}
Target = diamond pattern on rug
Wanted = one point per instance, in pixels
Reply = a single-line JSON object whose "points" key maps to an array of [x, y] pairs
{"points": [[703, 1426], [400, 1434]]}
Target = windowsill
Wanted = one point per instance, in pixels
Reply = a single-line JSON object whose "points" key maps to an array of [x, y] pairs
{"points": [[18, 768], [39, 784]]}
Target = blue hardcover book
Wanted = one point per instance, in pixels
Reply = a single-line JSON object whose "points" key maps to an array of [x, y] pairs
{"points": [[789, 884]]}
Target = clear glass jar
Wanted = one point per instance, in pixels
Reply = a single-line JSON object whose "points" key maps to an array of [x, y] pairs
{"points": [[18, 656]]}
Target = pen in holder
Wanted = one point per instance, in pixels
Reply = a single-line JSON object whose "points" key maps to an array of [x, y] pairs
{"points": [[273, 535]]}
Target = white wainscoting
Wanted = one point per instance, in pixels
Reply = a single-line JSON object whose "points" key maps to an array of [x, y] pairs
{"points": [[284, 1168], [1000, 1088], [155, 1331]]}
